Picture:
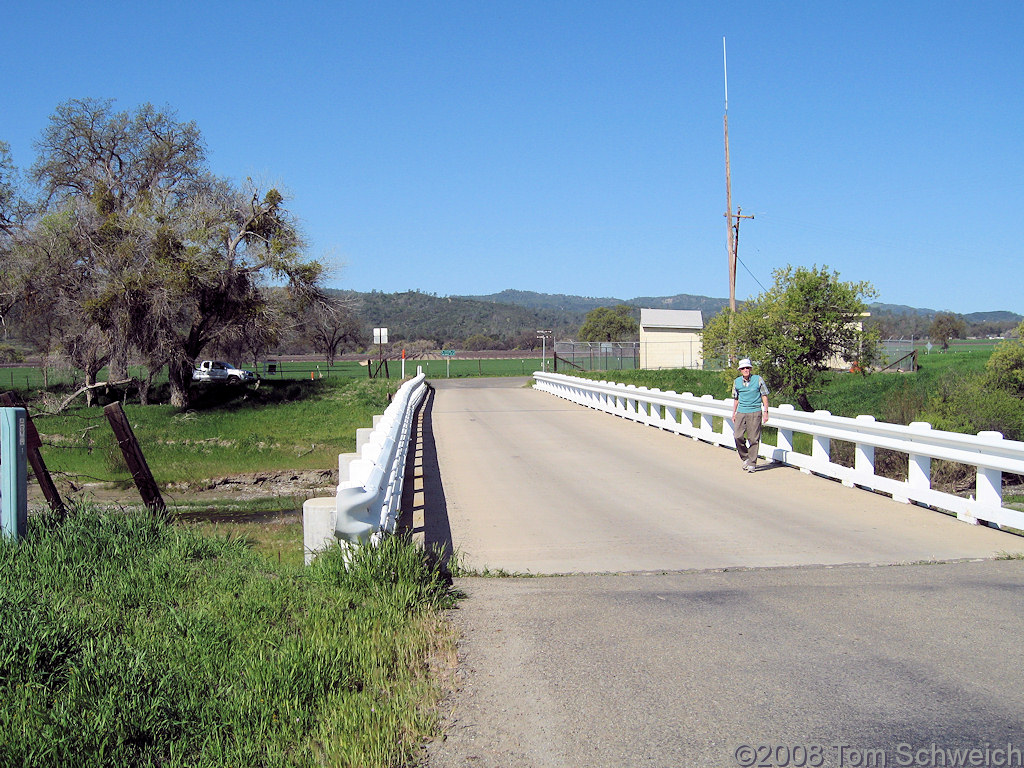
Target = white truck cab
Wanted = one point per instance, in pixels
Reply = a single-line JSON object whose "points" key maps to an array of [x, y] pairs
{"points": [[219, 371]]}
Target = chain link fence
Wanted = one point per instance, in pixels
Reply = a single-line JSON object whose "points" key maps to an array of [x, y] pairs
{"points": [[596, 356], [899, 355]]}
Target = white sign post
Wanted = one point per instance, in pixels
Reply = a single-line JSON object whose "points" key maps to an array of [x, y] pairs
{"points": [[380, 338], [448, 354], [543, 336]]}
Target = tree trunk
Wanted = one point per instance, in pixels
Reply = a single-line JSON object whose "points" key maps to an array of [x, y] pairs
{"points": [[144, 385], [180, 379], [803, 402], [90, 379]]}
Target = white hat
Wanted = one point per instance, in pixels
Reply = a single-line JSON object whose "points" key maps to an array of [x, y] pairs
{"points": [[745, 363]]}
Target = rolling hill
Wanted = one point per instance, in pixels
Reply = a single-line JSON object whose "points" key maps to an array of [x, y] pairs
{"points": [[514, 313]]}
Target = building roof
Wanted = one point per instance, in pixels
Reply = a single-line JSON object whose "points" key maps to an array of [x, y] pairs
{"points": [[671, 318]]}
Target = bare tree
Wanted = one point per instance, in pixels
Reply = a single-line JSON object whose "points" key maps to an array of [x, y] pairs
{"points": [[233, 243], [110, 180], [149, 257], [14, 212], [331, 327]]}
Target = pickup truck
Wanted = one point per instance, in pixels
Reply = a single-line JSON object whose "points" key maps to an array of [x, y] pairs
{"points": [[211, 371]]}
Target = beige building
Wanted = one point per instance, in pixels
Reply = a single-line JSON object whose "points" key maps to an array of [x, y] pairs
{"points": [[671, 338]]}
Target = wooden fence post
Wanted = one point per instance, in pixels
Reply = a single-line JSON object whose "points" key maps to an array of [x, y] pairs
{"points": [[35, 458], [134, 459]]}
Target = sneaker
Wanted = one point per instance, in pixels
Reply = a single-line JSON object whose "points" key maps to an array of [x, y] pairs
{"points": [[750, 467], [746, 466]]}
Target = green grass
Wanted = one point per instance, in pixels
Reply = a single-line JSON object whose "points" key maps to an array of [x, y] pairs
{"points": [[681, 380], [127, 642], [282, 425], [279, 540]]}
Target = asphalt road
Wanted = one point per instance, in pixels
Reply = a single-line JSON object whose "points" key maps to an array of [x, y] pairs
{"points": [[708, 610], [844, 666]]}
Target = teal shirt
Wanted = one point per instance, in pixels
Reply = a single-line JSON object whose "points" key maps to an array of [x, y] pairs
{"points": [[748, 394]]}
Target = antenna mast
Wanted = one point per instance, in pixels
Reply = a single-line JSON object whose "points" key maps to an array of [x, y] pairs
{"points": [[733, 228], [728, 188]]}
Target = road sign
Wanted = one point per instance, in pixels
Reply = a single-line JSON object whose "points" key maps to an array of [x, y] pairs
{"points": [[447, 353]]}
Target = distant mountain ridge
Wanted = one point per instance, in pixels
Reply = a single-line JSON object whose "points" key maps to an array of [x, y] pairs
{"points": [[516, 316], [583, 304], [997, 316], [706, 304]]}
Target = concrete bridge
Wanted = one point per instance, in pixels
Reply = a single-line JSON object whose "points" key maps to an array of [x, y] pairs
{"points": [[713, 618], [519, 481]]}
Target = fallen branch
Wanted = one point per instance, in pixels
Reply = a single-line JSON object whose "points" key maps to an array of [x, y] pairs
{"points": [[88, 387]]}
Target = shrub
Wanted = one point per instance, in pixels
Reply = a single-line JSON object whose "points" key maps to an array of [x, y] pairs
{"points": [[9, 354], [971, 404]]}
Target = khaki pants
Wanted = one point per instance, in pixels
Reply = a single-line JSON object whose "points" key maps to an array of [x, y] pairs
{"points": [[748, 436]]}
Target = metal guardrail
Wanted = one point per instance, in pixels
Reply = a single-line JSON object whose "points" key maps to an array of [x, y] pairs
{"points": [[988, 452], [369, 493]]}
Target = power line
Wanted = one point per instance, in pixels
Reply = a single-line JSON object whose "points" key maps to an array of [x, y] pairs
{"points": [[763, 289]]}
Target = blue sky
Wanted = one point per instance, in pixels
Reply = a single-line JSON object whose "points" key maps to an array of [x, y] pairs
{"points": [[576, 147]]}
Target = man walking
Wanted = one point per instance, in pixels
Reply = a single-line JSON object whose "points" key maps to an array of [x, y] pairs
{"points": [[749, 412]]}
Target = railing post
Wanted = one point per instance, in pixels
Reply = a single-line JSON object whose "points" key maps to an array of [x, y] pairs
{"points": [[863, 455], [643, 407], [706, 420], [784, 441], [653, 410], [820, 447], [919, 468], [671, 414], [988, 485], [686, 416], [630, 399]]}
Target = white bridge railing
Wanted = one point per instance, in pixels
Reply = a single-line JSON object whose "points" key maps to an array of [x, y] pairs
{"points": [[370, 480], [693, 416]]}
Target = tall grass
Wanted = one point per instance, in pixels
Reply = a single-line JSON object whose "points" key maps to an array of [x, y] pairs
{"points": [[127, 642]]}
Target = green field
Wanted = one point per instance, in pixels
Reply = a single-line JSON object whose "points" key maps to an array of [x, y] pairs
{"points": [[28, 380], [229, 430]]}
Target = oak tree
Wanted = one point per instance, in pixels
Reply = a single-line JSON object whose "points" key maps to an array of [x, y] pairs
{"points": [[610, 324], [807, 322]]}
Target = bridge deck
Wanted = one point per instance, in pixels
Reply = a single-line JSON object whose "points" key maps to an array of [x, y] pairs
{"points": [[526, 482]]}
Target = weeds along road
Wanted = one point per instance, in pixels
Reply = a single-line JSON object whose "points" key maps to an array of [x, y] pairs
{"points": [[712, 618]]}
